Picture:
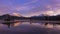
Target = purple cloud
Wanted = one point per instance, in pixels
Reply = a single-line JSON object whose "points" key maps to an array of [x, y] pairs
{"points": [[29, 7]]}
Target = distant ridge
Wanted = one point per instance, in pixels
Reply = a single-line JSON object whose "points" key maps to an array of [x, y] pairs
{"points": [[11, 17]]}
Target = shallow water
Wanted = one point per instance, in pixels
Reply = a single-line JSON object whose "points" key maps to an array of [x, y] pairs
{"points": [[27, 28]]}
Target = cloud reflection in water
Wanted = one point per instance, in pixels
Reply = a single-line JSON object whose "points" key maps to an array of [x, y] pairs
{"points": [[36, 28]]}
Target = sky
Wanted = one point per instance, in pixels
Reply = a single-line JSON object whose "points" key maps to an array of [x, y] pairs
{"points": [[29, 8]]}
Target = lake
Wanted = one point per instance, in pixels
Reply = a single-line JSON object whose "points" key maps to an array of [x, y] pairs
{"points": [[29, 28]]}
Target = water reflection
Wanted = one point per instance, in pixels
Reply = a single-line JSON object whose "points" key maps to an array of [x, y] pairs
{"points": [[9, 24], [50, 26], [18, 23], [18, 27]]}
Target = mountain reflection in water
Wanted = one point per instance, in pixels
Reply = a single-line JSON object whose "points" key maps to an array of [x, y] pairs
{"points": [[27, 28]]}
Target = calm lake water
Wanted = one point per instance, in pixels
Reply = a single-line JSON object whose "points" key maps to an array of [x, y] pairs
{"points": [[27, 28]]}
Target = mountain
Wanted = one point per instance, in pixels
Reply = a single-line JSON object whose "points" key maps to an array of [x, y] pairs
{"points": [[52, 18], [11, 17], [8, 17], [16, 14]]}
